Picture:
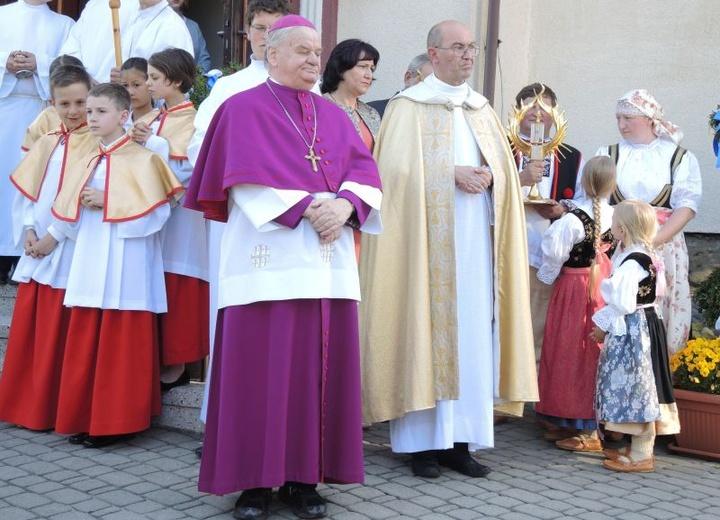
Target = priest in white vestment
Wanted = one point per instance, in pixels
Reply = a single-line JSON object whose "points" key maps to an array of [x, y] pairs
{"points": [[445, 317], [30, 38]]}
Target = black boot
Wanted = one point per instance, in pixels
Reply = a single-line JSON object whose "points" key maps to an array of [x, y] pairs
{"points": [[425, 464], [459, 459]]}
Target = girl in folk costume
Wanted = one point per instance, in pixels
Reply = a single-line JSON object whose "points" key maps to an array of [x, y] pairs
{"points": [[575, 252], [116, 200], [133, 76], [184, 330], [634, 388], [653, 167], [31, 375]]}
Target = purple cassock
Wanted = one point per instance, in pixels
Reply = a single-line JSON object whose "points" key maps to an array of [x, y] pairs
{"points": [[284, 402]]}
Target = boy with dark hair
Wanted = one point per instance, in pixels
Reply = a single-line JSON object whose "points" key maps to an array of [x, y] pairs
{"points": [[31, 376], [115, 200]]}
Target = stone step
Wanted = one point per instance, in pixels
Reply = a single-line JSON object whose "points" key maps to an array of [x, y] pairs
{"points": [[181, 405]]}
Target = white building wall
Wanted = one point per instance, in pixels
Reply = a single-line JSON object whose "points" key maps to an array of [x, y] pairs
{"points": [[589, 52]]}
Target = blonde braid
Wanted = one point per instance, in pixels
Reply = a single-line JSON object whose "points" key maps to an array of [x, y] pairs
{"points": [[597, 236]]}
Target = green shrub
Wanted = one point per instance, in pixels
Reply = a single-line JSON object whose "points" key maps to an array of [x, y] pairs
{"points": [[200, 91], [707, 297]]}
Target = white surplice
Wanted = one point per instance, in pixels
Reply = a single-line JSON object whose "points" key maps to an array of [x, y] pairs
{"points": [[36, 29], [469, 418], [54, 268], [155, 29], [91, 39], [184, 236], [117, 265]]}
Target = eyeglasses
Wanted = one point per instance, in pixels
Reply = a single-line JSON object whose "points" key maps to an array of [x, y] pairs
{"points": [[260, 28], [460, 50]]}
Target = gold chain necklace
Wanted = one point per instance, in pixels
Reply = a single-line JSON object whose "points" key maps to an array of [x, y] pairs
{"points": [[311, 152]]}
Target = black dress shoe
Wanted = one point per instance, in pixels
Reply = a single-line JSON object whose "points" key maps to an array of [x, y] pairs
{"points": [[252, 504], [183, 380], [102, 441], [459, 459], [78, 438], [198, 452], [425, 464], [304, 499]]}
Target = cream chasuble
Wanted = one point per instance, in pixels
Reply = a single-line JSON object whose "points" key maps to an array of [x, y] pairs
{"points": [[445, 327]]}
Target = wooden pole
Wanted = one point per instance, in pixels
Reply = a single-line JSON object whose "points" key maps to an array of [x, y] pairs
{"points": [[114, 7]]}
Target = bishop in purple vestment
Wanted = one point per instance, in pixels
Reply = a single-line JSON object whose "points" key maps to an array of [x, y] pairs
{"points": [[290, 175]]}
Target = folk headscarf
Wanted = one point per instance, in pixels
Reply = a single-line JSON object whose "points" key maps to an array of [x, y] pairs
{"points": [[641, 102]]}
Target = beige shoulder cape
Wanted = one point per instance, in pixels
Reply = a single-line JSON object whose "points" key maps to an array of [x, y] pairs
{"points": [[137, 181], [46, 121], [176, 126], [29, 176], [408, 321]]}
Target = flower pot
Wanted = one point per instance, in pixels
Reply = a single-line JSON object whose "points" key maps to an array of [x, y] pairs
{"points": [[700, 424]]}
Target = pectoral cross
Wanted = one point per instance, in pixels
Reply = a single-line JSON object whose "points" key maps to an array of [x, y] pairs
{"points": [[313, 158]]}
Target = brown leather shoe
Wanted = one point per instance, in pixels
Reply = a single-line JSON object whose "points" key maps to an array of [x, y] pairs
{"points": [[631, 466], [613, 454], [579, 444]]}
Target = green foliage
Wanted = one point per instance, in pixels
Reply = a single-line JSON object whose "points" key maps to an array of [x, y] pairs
{"points": [[200, 91], [712, 122], [707, 297]]}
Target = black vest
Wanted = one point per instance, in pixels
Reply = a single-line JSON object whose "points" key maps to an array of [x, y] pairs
{"points": [[567, 168], [582, 253], [647, 287]]}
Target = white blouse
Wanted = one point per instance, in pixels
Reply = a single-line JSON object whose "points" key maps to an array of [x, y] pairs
{"points": [[644, 169], [620, 291]]}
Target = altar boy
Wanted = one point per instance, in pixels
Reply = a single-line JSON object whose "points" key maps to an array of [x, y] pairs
{"points": [[116, 200], [31, 374]]}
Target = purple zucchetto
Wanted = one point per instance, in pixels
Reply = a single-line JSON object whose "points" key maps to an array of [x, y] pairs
{"points": [[291, 20]]}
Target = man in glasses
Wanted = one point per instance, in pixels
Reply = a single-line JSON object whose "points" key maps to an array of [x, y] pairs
{"points": [[444, 317]]}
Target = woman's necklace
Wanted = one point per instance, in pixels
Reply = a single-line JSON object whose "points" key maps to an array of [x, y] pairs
{"points": [[311, 152]]}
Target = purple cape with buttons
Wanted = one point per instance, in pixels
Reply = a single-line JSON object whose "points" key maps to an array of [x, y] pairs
{"points": [[251, 140]]}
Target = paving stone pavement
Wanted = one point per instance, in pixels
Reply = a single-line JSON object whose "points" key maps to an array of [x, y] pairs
{"points": [[154, 476]]}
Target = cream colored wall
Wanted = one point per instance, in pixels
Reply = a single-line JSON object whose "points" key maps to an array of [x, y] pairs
{"points": [[398, 30], [592, 52]]}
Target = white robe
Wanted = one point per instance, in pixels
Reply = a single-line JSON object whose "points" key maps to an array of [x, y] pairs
{"points": [[224, 88], [184, 236], [91, 39], [155, 29], [470, 418], [21, 100], [117, 265], [54, 268]]}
